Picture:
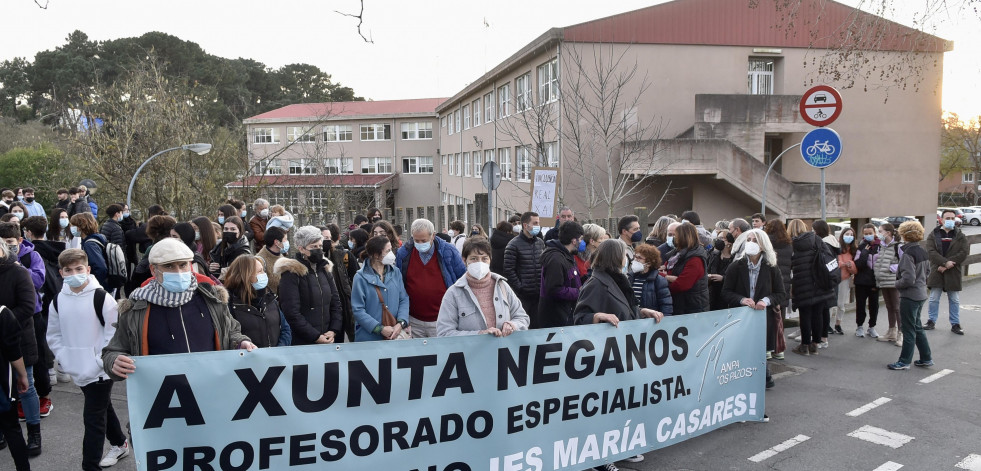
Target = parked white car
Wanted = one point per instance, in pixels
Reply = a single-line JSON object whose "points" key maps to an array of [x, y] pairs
{"points": [[972, 216]]}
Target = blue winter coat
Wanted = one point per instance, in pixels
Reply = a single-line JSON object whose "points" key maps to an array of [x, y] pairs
{"points": [[450, 263], [655, 294], [364, 300], [97, 261]]}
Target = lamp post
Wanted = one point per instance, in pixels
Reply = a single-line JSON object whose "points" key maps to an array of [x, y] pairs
{"points": [[199, 149], [767, 177]]}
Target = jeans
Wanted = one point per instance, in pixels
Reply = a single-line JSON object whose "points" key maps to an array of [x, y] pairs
{"points": [[866, 295], [100, 423], [30, 400], [953, 302], [913, 334], [10, 429]]}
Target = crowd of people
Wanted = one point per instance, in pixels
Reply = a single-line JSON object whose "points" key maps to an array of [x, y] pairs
{"points": [[238, 282]]}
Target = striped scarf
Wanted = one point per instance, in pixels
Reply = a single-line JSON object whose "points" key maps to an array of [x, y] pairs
{"points": [[154, 293]]}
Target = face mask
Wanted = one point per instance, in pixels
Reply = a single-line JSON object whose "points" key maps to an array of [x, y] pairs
{"points": [[229, 236], [221, 219], [19, 214], [177, 282], [74, 231], [870, 238], [637, 267], [637, 237], [451, 233], [848, 239], [197, 235], [389, 259], [948, 224], [751, 248], [63, 222], [261, 280], [670, 241], [286, 245], [517, 228], [317, 255], [126, 215], [473, 233], [29, 200], [424, 246], [74, 281], [478, 270], [264, 213], [582, 246], [535, 230], [376, 219], [623, 270], [720, 244], [244, 213], [14, 249], [731, 238]]}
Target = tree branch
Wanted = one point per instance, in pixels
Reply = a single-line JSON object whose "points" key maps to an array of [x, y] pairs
{"points": [[360, 18]]}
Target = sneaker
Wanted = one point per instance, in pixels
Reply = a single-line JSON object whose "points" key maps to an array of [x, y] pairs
{"points": [[823, 344], [52, 376], [956, 328], [899, 340], [923, 364], [898, 366], [860, 332], [930, 325], [115, 454], [770, 384], [830, 331], [607, 467], [46, 407], [769, 355], [838, 330], [62, 376], [778, 356], [801, 350], [872, 333], [766, 419], [634, 459], [20, 411]]}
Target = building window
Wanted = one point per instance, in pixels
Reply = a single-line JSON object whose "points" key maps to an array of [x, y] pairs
{"points": [[466, 164], [489, 107], [967, 177], [504, 158], [466, 116], [376, 132], [371, 165], [340, 165], [417, 165], [269, 167], [489, 155], [522, 92], [449, 125], [760, 76], [338, 133], [459, 123], [415, 131], [504, 101], [299, 134], [302, 167], [459, 164], [477, 164], [475, 107], [551, 157], [264, 136], [523, 155], [548, 81], [442, 121], [452, 164]]}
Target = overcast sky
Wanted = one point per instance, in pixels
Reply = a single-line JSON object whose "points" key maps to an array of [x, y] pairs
{"points": [[421, 49]]}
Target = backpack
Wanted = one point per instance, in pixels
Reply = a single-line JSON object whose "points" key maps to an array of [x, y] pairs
{"points": [[52, 276], [115, 259], [98, 300], [827, 274]]}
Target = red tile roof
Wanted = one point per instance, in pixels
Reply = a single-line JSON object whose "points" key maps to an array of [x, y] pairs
{"points": [[312, 180], [352, 109], [821, 24]]}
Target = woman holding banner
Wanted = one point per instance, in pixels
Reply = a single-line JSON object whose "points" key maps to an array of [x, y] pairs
{"points": [[378, 288]]}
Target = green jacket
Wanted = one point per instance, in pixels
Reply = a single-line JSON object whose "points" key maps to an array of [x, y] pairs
{"points": [[129, 340]]}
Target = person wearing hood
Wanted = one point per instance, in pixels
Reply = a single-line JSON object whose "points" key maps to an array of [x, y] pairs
{"points": [[377, 291], [809, 299], [685, 271], [233, 244], [429, 267], [560, 276], [523, 265], [948, 248], [81, 322], [307, 293], [499, 240]]}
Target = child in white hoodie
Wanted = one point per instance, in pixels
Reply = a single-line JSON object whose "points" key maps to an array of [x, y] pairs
{"points": [[81, 322]]}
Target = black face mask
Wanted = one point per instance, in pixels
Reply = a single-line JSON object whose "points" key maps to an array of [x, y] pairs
{"points": [[473, 233], [316, 255], [29, 200], [229, 237], [730, 238], [328, 246], [376, 219], [719, 244]]}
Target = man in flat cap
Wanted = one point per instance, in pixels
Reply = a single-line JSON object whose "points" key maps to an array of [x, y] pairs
{"points": [[172, 313]]}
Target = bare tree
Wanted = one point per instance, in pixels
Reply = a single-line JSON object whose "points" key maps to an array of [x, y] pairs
{"points": [[961, 147]]}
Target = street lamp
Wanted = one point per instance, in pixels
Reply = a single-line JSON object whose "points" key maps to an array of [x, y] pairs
{"points": [[199, 148]]}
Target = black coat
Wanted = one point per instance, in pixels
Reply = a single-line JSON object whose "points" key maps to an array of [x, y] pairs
{"points": [[259, 320], [769, 284], [603, 293], [19, 296], [224, 254], [717, 265], [785, 255], [309, 299], [523, 266], [9, 351], [499, 240], [865, 275], [114, 233], [805, 289], [343, 283], [560, 286]]}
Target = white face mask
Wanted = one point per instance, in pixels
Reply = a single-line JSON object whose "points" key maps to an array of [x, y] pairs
{"points": [[478, 270], [264, 213], [451, 233], [751, 248], [389, 259], [637, 267]]}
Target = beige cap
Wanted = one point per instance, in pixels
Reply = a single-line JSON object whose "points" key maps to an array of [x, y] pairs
{"points": [[170, 250]]}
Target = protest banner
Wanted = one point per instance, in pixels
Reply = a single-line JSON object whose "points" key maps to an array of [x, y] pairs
{"points": [[551, 399], [544, 193]]}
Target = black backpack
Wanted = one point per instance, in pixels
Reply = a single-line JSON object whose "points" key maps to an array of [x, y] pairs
{"points": [[98, 300], [827, 273], [52, 276]]}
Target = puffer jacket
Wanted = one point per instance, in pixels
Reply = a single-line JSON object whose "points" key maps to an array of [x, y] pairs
{"points": [[911, 275], [309, 299], [114, 232], [522, 265], [696, 298], [884, 265], [785, 256], [957, 252], [460, 314], [261, 321], [655, 293], [19, 296], [499, 240], [805, 290], [866, 251], [560, 284], [224, 254]]}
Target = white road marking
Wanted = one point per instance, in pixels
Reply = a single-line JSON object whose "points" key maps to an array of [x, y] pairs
{"points": [[881, 437], [765, 454], [888, 466], [936, 376], [872, 405], [971, 463]]}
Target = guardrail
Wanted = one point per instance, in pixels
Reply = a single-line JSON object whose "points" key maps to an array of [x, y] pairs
{"points": [[972, 259]]}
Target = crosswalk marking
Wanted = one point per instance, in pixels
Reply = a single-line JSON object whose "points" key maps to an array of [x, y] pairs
{"points": [[765, 454], [971, 463], [872, 405], [881, 437], [888, 466], [936, 376]]}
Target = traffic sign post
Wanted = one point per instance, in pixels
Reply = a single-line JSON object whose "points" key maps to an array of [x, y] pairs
{"points": [[821, 148], [820, 105]]}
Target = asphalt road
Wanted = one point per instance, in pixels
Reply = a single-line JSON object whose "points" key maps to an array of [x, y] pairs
{"points": [[927, 426]]}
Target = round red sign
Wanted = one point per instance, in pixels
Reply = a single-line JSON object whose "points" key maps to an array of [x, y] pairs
{"points": [[820, 105]]}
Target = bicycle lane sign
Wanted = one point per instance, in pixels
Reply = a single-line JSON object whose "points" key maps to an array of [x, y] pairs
{"points": [[820, 105], [821, 147]]}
